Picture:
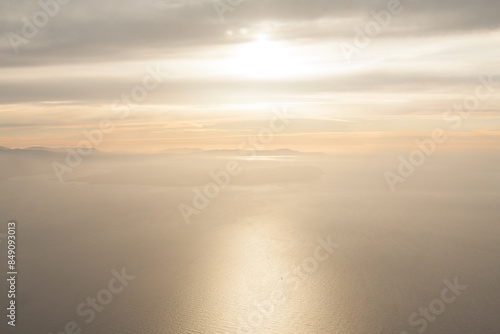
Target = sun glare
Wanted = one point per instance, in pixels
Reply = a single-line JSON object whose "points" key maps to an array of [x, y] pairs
{"points": [[262, 59]]}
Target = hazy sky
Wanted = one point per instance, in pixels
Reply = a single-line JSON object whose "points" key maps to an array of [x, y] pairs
{"points": [[220, 79]]}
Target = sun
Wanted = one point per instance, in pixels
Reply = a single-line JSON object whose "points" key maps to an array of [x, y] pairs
{"points": [[262, 58]]}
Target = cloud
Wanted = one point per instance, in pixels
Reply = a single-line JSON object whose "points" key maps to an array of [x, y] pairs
{"points": [[94, 30]]}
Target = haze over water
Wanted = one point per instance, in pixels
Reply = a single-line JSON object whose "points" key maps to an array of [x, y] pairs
{"points": [[395, 250]]}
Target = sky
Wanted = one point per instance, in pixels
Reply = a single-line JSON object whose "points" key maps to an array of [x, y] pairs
{"points": [[352, 75]]}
